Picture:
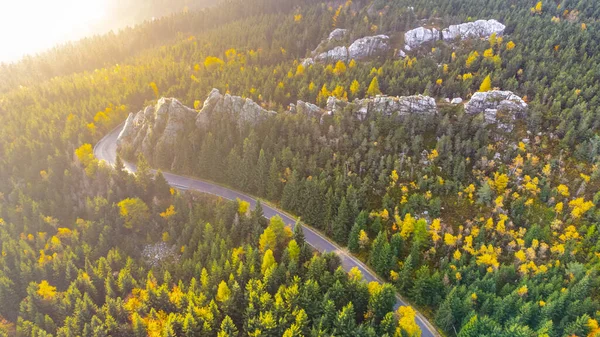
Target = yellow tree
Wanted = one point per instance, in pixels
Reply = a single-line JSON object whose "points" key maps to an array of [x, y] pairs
{"points": [[134, 212], [154, 88], [486, 85], [373, 89], [407, 326], [223, 292], [340, 68], [354, 87]]}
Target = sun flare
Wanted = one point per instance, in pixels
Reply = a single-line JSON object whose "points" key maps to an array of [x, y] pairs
{"points": [[30, 26]]}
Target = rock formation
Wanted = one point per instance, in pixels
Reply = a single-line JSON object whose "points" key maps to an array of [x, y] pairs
{"points": [[361, 49], [368, 46], [470, 30], [336, 54], [156, 125], [495, 103], [418, 36], [386, 105], [243, 110], [414, 38], [155, 130]]}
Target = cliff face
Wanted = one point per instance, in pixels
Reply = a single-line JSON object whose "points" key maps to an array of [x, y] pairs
{"points": [[155, 130]]}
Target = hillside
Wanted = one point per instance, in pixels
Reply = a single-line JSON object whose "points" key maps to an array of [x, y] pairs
{"points": [[453, 146]]}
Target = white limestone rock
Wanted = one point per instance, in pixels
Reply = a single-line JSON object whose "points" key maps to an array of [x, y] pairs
{"points": [[456, 100], [336, 54], [491, 102], [418, 36], [386, 105], [470, 30], [369, 46], [337, 34]]}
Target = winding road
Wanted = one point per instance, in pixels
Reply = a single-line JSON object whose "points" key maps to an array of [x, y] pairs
{"points": [[106, 149]]}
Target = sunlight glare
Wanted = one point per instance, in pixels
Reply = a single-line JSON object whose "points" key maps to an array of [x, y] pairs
{"points": [[30, 26]]}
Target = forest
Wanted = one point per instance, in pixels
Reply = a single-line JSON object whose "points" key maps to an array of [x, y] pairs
{"points": [[487, 233]]}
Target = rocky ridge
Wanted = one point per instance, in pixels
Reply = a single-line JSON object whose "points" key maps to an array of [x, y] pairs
{"points": [[361, 49], [414, 38], [156, 128]]}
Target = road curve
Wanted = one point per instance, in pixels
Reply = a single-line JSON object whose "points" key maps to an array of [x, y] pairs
{"points": [[106, 150]]}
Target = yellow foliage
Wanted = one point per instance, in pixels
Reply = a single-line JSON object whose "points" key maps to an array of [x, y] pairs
{"points": [[473, 56], [579, 207], [243, 206], [488, 53], [154, 88], [563, 190], [298, 17], [439, 81], [457, 255], [500, 182], [407, 326], [46, 291], [450, 240], [510, 45], [223, 292], [213, 63], [169, 212], [523, 290], [486, 85], [340, 68], [520, 255]]}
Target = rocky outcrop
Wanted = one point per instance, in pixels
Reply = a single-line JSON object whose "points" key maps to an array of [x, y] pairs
{"points": [[470, 30], [361, 49], [336, 35], [385, 105], [157, 125], [308, 109], [243, 110], [369, 46], [456, 100], [418, 36], [415, 38], [495, 103], [336, 54]]}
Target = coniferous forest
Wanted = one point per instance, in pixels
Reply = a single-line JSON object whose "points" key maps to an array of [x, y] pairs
{"points": [[486, 232]]}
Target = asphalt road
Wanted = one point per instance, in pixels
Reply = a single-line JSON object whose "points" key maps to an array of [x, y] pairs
{"points": [[106, 150]]}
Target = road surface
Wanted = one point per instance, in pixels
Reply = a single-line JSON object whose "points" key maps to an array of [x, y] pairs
{"points": [[106, 150]]}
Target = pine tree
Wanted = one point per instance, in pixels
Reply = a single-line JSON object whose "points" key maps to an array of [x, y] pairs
{"points": [[373, 89], [353, 245], [262, 174], [341, 222], [274, 184], [381, 255]]}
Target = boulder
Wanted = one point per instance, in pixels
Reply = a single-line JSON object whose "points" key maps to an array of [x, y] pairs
{"points": [[470, 30], [491, 102], [418, 36], [456, 100], [401, 53], [337, 34], [369, 46], [336, 54]]}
